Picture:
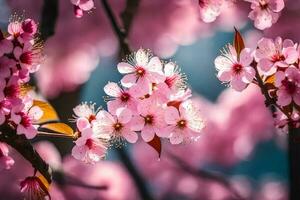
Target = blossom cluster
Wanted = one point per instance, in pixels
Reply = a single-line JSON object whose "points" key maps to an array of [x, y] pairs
{"points": [[274, 66], [152, 100], [20, 55], [264, 12]]}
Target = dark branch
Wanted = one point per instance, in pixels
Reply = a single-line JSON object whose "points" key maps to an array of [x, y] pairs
{"points": [[48, 18], [139, 182], [24, 147], [64, 179], [129, 13]]}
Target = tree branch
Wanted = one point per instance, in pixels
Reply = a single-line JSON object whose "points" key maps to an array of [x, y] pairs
{"points": [[206, 175], [24, 147], [48, 18], [139, 181]]}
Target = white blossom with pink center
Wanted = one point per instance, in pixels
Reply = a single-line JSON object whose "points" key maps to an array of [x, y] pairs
{"points": [[235, 70], [185, 123], [118, 126], [141, 71], [119, 97]]}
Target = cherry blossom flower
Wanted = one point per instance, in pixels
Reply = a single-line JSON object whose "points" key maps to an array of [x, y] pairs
{"points": [[210, 9], [118, 126], [142, 70], [6, 162], [119, 98], [265, 12], [288, 84], [235, 70], [175, 80], [85, 114], [149, 120], [185, 123], [24, 116], [82, 5], [91, 146], [34, 188], [273, 54]]}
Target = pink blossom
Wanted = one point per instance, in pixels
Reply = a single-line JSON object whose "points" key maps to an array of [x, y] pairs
{"points": [[289, 86], [119, 98], [91, 146], [265, 12], [29, 57], [34, 188], [149, 120], [273, 54], [185, 124], [24, 116], [85, 114], [175, 80], [82, 5], [142, 70], [6, 162], [235, 70], [210, 9], [118, 125]]}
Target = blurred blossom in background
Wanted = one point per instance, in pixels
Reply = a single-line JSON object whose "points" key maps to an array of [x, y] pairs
{"points": [[239, 142]]}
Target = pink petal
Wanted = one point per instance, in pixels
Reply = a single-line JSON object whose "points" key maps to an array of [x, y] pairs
{"points": [[113, 105], [265, 65], [86, 5], [284, 98], [165, 131], [137, 123], [246, 57], [169, 69], [291, 55], [125, 68], [75, 2], [124, 115], [249, 74], [112, 89], [296, 97], [276, 5], [82, 123], [176, 137], [279, 76], [105, 118], [129, 135], [154, 65], [171, 115], [17, 52], [224, 76], [128, 80], [238, 84], [79, 152], [148, 133]]}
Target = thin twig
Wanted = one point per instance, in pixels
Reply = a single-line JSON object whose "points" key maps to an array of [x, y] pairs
{"points": [[64, 179], [203, 174]]}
